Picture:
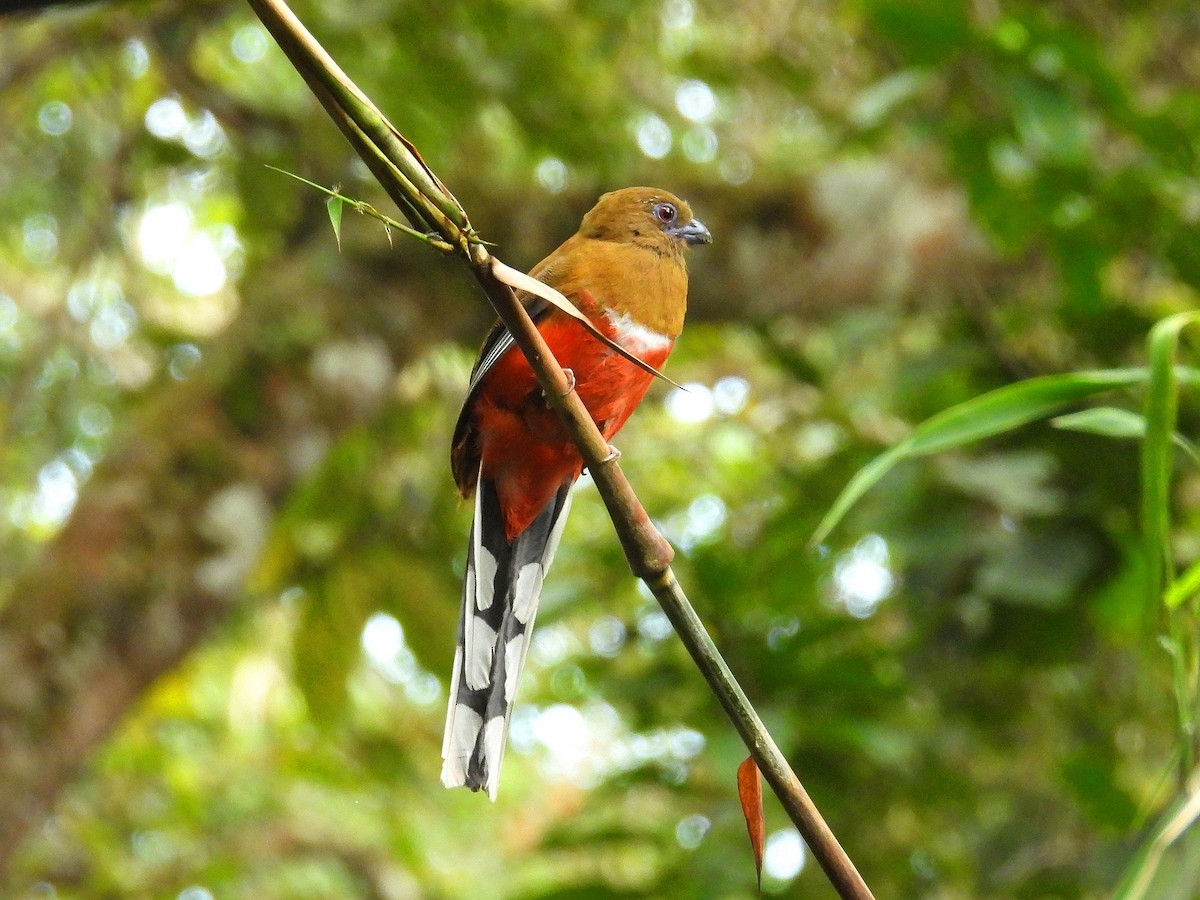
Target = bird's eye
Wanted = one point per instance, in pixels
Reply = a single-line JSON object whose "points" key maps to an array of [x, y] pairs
{"points": [[665, 213]]}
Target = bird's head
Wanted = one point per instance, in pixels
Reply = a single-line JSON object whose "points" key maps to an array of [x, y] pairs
{"points": [[649, 217]]}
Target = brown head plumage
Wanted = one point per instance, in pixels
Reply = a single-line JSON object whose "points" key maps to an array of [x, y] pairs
{"points": [[649, 217], [627, 256]]}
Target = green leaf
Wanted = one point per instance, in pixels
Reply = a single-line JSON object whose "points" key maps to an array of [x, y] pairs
{"points": [[367, 210], [1108, 421], [1114, 422], [334, 205], [1185, 586], [1162, 401], [995, 412], [876, 103]]}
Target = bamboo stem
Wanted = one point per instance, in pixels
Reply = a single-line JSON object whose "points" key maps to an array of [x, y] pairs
{"points": [[419, 194], [439, 210]]}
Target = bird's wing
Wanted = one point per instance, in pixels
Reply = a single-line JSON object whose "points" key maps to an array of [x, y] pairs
{"points": [[497, 343], [464, 454]]}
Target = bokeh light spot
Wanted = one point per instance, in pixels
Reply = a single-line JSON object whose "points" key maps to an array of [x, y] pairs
{"points": [[691, 831], [863, 578], [678, 14], [784, 856], [40, 239], [54, 118], [135, 58], [692, 404], [382, 638], [696, 101], [182, 359], [551, 174], [199, 269], [565, 734], [653, 136], [607, 636], [163, 231], [166, 119], [730, 394], [249, 43], [700, 144], [737, 168], [57, 490]]}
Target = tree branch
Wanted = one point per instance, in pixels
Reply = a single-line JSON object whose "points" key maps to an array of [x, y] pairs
{"points": [[421, 196]]}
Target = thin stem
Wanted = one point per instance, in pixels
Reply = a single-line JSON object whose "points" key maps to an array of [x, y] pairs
{"points": [[367, 209], [395, 163], [1182, 650], [771, 762], [343, 99], [1181, 815]]}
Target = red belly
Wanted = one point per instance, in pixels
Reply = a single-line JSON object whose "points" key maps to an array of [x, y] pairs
{"points": [[524, 447]]}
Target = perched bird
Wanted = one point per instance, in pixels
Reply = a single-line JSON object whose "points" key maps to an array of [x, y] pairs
{"points": [[624, 269]]}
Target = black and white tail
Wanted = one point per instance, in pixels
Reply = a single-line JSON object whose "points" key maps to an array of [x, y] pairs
{"points": [[500, 600]]}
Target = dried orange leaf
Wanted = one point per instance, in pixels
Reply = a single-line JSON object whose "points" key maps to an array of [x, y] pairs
{"points": [[749, 782]]}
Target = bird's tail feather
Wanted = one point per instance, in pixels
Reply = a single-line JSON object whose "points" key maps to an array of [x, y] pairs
{"points": [[500, 598]]}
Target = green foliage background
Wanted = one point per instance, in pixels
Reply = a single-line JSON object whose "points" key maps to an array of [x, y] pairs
{"points": [[914, 203]]}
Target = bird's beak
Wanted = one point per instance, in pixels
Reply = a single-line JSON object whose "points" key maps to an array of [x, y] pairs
{"points": [[694, 232]]}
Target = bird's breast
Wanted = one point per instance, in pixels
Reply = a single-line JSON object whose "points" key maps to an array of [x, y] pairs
{"points": [[605, 277], [637, 338]]}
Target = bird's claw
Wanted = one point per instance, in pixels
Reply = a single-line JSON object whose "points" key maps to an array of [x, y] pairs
{"points": [[570, 375], [570, 386], [613, 455]]}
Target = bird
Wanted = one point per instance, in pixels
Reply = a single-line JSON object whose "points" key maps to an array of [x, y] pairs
{"points": [[625, 270]]}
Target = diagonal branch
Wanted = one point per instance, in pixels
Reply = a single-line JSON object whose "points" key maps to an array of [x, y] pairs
{"points": [[422, 197]]}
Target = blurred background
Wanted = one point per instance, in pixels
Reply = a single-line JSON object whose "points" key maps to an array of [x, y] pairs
{"points": [[230, 546]]}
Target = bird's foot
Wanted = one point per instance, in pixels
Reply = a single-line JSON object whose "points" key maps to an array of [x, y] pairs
{"points": [[613, 455], [570, 385], [570, 374]]}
